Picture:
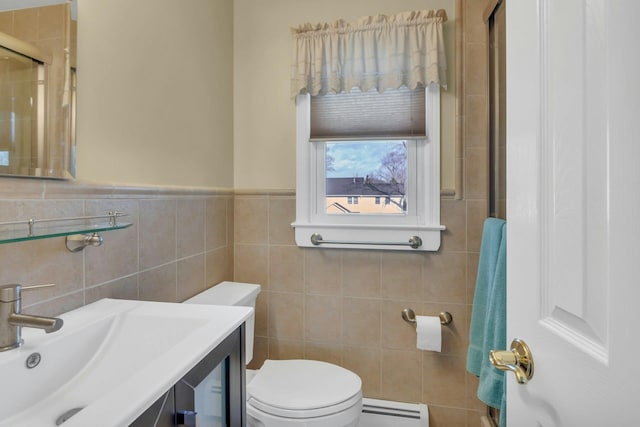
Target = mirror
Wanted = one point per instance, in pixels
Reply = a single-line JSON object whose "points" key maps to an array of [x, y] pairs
{"points": [[38, 40]]}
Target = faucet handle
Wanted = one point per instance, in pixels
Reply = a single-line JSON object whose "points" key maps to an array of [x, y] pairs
{"points": [[12, 292]]}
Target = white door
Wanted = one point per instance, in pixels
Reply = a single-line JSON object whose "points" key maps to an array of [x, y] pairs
{"points": [[573, 210]]}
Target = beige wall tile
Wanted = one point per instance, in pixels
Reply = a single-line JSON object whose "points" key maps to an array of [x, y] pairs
{"points": [[401, 275], [251, 220], [476, 121], [18, 188], [251, 264], [282, 212], [157, 232], [191, 223], [474, 26], [445, 277], [50, 20], [473, 417], [322, 318], [260, 352], [475, 74], [472, 274], [401, 384], [124, 288], [286, 316], [477, 212], [230, 221], [323, 271], [361, 273], [25, 24], [396, 333], [38, 262], [118, 255], [453, 213], [262, 314], [216, 222], [57, 306], [280, 349], [326, 352], [472, 401], [366, 362], [158, 284], [477, 173], [6, 22], [361, 322], [286, 272], [190, 277], [442, 416], [444, 380], [218, 266]]}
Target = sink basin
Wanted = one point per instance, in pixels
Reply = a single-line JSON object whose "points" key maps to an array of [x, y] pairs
{"points": [[110, 361]]}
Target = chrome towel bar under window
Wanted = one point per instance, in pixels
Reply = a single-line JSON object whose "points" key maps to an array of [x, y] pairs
{"points": [[414, 241]]}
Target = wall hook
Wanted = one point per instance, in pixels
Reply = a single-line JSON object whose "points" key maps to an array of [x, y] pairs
{"points": [[78, 242], [410, 316]]}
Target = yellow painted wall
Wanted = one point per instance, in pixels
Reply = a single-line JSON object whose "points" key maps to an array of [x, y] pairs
{"points": [[264, 113], [196, 93], [155, 92]]}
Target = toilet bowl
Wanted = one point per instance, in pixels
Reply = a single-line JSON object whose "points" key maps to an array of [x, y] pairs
{"points": [[285, 393]]}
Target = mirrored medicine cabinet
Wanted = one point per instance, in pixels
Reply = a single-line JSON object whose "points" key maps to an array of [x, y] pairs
{"points": [[38, 40]]}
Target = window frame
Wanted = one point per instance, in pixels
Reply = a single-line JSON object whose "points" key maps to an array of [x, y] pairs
{"points": [[376, 231]]}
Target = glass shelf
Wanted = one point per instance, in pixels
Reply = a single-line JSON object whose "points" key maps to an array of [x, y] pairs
{"points": [[13, 236], [33, 229]]}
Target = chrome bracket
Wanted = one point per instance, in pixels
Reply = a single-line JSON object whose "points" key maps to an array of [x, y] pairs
{"points": [[78, 242]]}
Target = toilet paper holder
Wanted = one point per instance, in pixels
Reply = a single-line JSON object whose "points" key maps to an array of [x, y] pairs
{"points": [[410, 316]]}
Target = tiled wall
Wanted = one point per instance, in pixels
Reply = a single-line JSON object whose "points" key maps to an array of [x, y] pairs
{"points": [[179, 244], [343, 306]]}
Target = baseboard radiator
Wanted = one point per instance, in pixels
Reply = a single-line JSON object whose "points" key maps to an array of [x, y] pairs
{"points": [[396, 414]]}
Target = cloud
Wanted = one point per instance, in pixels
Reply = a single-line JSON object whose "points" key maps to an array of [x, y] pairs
{"points": [[360, 158]]}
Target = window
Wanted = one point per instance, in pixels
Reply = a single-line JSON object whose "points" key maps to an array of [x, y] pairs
{"points": [[357, 149]]}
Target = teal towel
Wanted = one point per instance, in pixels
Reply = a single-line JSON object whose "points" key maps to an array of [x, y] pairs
{"points": [[488, 318], [491, 387], [489, 250]]}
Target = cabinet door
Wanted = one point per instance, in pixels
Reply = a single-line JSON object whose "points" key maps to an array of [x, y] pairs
{"points": [[220, 379]]}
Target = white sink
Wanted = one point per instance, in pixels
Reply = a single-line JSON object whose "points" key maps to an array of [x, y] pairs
{"points": [[112, 358]]}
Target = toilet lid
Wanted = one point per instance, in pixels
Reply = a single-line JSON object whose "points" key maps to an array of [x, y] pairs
{"points": [[303, 388]]}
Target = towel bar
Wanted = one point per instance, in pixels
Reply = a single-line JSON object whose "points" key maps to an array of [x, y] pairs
{"points": [[410, 316], [414, 241]]}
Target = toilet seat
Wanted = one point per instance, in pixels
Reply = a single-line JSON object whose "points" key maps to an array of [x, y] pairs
{"points": [[303, 389]]}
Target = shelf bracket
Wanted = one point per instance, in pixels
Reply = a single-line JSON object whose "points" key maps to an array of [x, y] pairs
{"points": [[77, 242]]}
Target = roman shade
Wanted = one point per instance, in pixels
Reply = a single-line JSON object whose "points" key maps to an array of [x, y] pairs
{"points": [[398, 113]]}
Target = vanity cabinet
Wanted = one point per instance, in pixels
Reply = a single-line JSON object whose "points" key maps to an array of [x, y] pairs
{"points": [[213, 391]]}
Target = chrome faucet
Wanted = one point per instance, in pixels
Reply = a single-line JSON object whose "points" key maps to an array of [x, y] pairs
{"points": [[12, 320]]}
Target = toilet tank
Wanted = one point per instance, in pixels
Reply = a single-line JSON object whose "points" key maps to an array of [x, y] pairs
{"points": [[233, 293]]}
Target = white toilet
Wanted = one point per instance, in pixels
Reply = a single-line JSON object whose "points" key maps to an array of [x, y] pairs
{"points": [[292, 393]]}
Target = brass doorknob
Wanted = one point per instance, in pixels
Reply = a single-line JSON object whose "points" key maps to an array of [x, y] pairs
{"points": [[517, 360]]}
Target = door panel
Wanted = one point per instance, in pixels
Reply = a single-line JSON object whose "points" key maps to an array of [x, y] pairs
{"points": [[574, 189], [572, 182]]}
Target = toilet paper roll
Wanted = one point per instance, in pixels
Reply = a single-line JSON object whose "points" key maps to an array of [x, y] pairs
{"points": [[429, 330]]}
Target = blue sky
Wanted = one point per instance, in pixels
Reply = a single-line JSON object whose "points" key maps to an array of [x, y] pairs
{"points": [[357, 158]]}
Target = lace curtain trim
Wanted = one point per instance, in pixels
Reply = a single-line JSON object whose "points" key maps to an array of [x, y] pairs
{"points": [[376, 52]]}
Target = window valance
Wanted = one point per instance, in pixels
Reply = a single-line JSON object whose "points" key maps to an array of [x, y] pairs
{"points": [[376, 52]]}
